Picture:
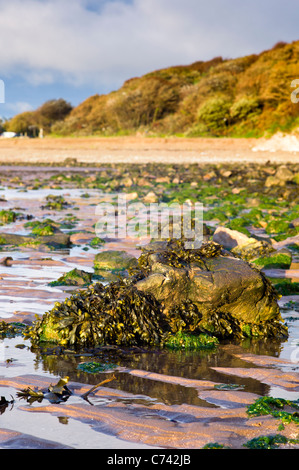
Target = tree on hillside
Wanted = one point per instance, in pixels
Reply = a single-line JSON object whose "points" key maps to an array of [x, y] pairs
{"points": [[22, 123], [52, 111], [44, 117]]}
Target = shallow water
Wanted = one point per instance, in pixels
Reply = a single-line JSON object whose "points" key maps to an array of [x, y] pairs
{"points": [[166, 388]]}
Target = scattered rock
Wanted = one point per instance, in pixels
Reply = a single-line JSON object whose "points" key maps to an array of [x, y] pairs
{"points": [[56, 240], [230, 238], [150, 197], [113, 260], [75, 277]]}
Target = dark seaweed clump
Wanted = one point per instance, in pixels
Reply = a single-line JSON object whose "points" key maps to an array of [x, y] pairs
{"points": [[114, 314], [10, 330], [176, 255]]}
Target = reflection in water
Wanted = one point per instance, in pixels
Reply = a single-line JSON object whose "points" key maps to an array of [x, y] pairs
{"points": [[187, 364]]}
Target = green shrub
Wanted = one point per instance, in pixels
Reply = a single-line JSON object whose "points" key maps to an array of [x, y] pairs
{"points": [[215, 113], [245, 107]]}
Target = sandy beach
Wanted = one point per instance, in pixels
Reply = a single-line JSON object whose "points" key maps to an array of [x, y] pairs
{"points": [[174, 150]]}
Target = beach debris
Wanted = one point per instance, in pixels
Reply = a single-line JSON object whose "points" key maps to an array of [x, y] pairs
{"points": [[85, 395], [4, 403], [55, 393], [12, 329]]}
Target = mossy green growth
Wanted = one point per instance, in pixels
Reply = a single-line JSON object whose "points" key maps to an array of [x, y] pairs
{"points": [[266, 442], [275, 261], [215, 445], [275, 407], [239, 224], [285, 286], [55, 203], [95, 367], [114, 260], [277, 226], [97, 241], [7, 217], [75, 277], [42, 228], [191, 342]]}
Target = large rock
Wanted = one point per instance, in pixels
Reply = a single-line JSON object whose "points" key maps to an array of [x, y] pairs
{"points": [[241, 245], [216, 284], [230, 238]]}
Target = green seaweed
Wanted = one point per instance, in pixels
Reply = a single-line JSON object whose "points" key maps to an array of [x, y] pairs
{"points": [[276, 261], [285, 286], [97, 241], [95, 367], [57, 203], [229, 387], [215, 445], [7, 216], [191, 342], [276, 408], [266, 442]]}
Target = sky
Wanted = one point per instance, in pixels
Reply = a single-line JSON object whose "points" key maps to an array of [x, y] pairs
{"points": [[73, 49]]}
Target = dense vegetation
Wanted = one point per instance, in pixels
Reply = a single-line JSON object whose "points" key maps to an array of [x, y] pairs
{"points": [[247, 96]]}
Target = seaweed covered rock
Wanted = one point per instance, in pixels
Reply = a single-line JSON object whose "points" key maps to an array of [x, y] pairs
{"points": [[56, 240], [279, 259], [173, 289], [75, 277], [208, 289], [113, 260], [114, 314]]}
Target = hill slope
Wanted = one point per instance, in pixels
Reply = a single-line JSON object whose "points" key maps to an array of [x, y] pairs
{"points": [[243, 97]]}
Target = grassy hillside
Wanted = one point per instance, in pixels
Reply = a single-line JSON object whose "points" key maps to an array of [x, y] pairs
{"points": [[244, 97]]}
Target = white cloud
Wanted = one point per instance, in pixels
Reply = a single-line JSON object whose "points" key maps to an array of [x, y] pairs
{"points": [[19, 107], [105, 41]]}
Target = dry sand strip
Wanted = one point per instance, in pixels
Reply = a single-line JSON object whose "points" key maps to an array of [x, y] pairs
{"points": [[173, 150]]}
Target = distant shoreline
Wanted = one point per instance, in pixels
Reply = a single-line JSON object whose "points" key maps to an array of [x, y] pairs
{"points": [[139, 150]]}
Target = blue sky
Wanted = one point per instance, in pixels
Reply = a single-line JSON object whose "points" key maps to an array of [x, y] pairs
{"points": [[73, 49]]}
